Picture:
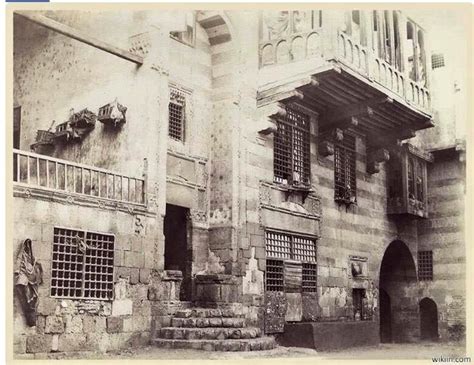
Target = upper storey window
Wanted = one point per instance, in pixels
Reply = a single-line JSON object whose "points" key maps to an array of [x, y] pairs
{"points": [[345, 170], [291, 162], [176, 114], [407, 182]]}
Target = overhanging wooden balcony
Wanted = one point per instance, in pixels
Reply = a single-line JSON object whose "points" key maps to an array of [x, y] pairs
{"points": [[49, 178], [333, 73]]}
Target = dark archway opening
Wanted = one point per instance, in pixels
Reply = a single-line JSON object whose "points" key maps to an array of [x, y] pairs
{"points": [[178, 256], [398, 307], [385, 317], [428, 320]]}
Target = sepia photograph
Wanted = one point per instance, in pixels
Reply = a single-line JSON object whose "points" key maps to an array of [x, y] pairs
{"points": [[238, 182]]}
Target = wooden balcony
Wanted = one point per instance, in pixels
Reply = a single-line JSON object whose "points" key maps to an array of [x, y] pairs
{"points": [[57, 177], [319, 46], [363, 61]]}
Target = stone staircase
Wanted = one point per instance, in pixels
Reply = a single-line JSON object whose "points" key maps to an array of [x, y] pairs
{"points": [[211, 329]]}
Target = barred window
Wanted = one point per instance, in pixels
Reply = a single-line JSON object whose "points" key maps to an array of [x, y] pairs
{"points": [[309, 277], [274, 275], [283, 246], [345, 169], [437, 60], [291, 162], [425, 265], [82, 264], [176, 114]]}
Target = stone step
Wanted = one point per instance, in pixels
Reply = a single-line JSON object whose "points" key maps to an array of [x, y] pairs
{"points": [[208, 333], [207, 313], [208, 322], [253, 344]]}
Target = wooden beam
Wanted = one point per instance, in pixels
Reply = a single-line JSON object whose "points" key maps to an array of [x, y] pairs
{"points": [[80, 36]]}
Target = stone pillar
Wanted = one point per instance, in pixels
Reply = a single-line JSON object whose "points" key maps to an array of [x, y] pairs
{"points": [[152, 84]]}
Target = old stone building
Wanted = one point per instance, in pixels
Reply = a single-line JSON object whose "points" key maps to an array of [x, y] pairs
{"points": [[219, 180]]}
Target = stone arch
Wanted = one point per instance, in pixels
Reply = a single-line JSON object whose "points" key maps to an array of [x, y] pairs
{"points": [[398, 279], [221, 40]]}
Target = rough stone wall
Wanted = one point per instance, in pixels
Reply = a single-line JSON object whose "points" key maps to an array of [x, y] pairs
{"points": [[66, 325], [443, 233]]}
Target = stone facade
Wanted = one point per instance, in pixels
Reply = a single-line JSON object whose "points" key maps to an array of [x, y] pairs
{"points": [[220, 178]]}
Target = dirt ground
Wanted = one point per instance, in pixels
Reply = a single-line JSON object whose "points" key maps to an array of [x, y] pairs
{"points": [[424, 350]]}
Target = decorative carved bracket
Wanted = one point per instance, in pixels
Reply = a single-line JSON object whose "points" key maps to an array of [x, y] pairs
{"points": [[375, 158]]}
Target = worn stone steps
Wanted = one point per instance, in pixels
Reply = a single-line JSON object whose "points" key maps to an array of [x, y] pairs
{"points": [[207, 313], [208, 333], [193, 322], [253, 344]]}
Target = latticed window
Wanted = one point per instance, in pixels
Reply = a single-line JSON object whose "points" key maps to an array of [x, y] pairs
{"points": [[309, 277], [283, 246], [345, 169], [176, 114], [291, 162], [274, 275], [437, 60], [82, 264], [425, 265]]}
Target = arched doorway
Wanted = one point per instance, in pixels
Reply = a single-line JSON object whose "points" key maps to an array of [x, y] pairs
{"points": [[428, 319], [397, 288], [385, 317]]}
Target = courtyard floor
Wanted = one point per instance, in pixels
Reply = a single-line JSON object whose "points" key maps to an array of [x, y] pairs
{"points": [[423, 350]]}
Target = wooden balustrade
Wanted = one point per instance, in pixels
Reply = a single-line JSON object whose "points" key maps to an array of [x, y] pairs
{"points": [[362, 59], [44, 172]]}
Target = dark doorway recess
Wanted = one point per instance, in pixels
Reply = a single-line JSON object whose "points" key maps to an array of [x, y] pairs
{"points": [[428, 320], [397, 308], [385, 317], [178, 256]]}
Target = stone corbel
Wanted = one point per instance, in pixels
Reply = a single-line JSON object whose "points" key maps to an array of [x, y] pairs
{"points": [[375, 158], [327, 140], [269, 127]]}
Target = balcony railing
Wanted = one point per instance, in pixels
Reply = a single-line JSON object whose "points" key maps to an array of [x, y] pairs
{"points": [[342, 47], [44, 172]]}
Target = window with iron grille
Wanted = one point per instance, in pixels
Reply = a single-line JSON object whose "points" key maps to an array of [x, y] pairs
{"points": [[291, 160], [309, 277], [82, 264], [425, 265], [274, 275], [345, 169], [283, 246], [437, 60], [176, 114]]}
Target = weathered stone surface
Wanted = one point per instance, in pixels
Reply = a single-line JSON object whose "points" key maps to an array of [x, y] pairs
{"points": [[72, 342], [73, 324], [39, 343], [145, 276], [254, 344], [276, 307], [122, 307], [47, 306], [54, 324], [114, 324]]}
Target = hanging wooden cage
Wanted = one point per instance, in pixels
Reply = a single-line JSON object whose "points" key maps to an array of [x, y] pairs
{"points": [[112, 114], [84, 119], [65, 132], [44, 142]]}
